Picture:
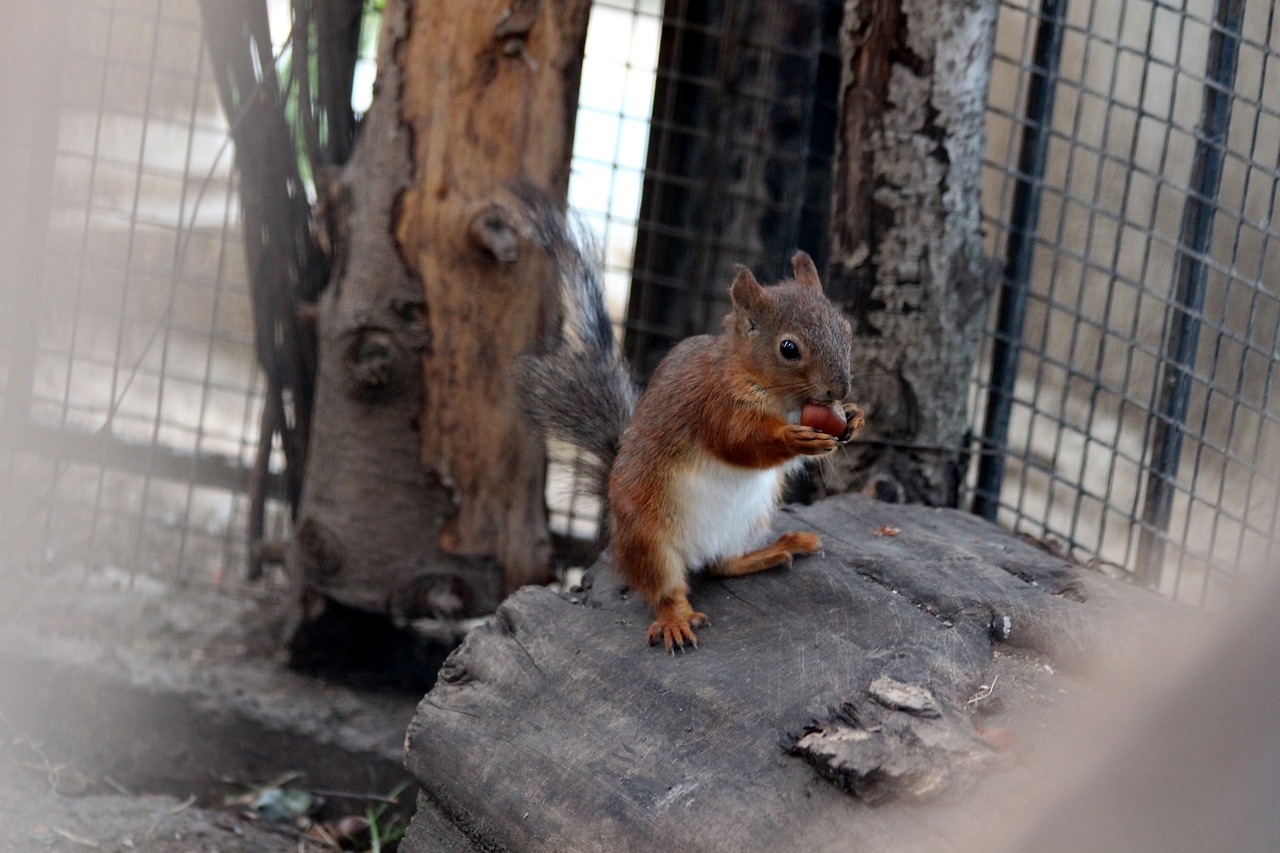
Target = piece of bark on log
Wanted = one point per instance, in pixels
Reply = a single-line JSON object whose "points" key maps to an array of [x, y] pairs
{"points": [[555, 727]]}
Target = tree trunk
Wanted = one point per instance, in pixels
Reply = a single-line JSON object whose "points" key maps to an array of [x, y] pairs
{"points": [[906, 240], [424, 491], [737, 168]]}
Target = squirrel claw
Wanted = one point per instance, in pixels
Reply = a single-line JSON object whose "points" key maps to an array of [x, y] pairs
{"points": [[675, 631], [855, 420], [807, 441]]}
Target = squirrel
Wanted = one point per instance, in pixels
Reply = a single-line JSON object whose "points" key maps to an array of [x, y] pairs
{"points": [[693, 469]]}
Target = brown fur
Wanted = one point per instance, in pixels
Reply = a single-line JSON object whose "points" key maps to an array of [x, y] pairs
{"points": [[726, 398]]}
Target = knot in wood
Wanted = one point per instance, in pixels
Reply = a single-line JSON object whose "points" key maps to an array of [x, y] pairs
{"points": [[412, 314], [886, 488], [517, 21], [433, 595], [492, 231], [372, 358], [454, 672], [320, 551]]}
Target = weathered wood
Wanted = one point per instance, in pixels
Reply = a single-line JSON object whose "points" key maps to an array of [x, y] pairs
{"points": [[425, 491], [490, 95], [895, 740], [906, 250], [555, 727], [367, 523]]}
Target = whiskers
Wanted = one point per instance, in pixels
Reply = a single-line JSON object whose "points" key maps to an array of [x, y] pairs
{"points": [[798, 390]]}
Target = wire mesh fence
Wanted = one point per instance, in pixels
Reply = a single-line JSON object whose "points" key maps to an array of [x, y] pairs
{"points": [[130, 390], [1130, 189], [739, 160], [1123, 405]]}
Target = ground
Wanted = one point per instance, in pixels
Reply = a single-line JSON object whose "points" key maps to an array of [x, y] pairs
{"points": [[37, 817], [134, 716]]}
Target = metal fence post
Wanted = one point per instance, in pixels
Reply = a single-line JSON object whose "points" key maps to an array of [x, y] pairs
{"points": [[1185, 311], [1024, 216]]}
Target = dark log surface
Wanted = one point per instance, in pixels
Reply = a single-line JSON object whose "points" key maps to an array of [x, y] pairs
{"points": [[824, 703]]}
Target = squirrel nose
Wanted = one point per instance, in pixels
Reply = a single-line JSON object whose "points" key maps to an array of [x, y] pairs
{"points": [[840, 389]]}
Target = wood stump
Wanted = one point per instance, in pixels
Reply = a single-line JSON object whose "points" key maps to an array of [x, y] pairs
{"points": [[555, 727], [425, 490]]}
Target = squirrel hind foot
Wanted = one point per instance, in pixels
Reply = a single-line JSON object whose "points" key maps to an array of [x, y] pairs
{"points": [[674, 623], [777, 555], [800, 542]]}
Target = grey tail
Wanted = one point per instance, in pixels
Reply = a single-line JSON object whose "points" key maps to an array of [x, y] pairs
{"points": [[579, 389]]}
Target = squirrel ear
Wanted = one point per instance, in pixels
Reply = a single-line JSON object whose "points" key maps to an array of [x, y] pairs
{"points": [[804, 270], [746, 292]]}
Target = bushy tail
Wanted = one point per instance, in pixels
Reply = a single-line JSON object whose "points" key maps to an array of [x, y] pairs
{"points": [[579, 390]]}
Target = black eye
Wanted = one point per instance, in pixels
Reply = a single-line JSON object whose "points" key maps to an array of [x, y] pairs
{"points": [[789, 349]]}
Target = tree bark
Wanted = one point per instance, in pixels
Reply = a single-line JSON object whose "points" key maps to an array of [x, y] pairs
{"points": [[906, 240], [490, 96], [424, 492]]}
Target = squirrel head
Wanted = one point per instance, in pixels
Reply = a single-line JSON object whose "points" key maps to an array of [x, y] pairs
{"points": [[789, 337]]}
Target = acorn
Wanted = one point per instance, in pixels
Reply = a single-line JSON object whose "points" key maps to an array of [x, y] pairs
{"points": [[824, 418]]}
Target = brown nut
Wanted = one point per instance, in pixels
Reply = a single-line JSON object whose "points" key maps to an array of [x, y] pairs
{"points": [[824, 418]]}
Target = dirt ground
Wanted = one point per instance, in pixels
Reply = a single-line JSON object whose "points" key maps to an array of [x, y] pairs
{"points": [[138, 717], [37, 817]]}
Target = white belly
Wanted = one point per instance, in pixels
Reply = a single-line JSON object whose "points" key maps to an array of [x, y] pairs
{"points": [[725, 510]]}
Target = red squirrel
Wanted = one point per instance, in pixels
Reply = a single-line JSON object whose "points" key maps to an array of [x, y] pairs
{"points": [[696, 468]]}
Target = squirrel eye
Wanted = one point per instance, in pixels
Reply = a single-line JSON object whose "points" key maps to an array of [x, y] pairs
{"points": [[789, 349]]}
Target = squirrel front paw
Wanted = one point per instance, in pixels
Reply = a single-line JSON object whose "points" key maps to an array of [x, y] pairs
{"points": [[853, 417], [806, 441]]}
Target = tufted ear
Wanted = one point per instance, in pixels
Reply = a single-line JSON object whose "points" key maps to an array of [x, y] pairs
{"points": [[804, 270], [747, 293]]}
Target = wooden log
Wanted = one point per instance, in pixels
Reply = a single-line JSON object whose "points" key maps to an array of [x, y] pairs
{"points": [[425, 490], [555, 727]]}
